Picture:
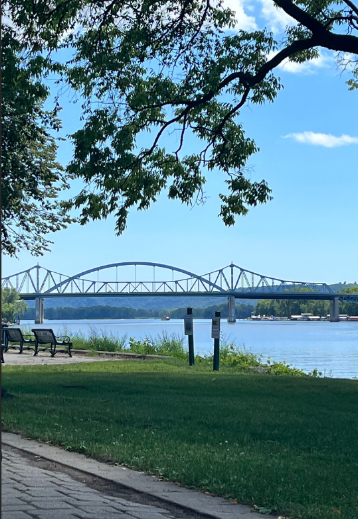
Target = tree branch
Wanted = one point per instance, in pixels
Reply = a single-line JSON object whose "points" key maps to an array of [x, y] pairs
{"points": [[234, 109], [324, 38], [352, 6], [299, 15], [352, 19], [250, 80]]}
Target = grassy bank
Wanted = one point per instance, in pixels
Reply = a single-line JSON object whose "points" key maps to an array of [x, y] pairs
{"points": [[231, 356], [281, 443], [99, 340]]}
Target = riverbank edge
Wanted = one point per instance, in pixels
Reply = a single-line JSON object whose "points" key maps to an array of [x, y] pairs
{"points": [[109, 354], [119, 354]]}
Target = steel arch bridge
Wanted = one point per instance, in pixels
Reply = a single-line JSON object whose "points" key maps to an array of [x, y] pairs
{"points": [[229, 281]]}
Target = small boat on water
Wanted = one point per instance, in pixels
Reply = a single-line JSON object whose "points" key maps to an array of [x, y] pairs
{"points": [[165, 318]]}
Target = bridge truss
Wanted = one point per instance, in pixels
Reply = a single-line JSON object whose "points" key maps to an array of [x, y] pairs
{"points": [[146, 278]]}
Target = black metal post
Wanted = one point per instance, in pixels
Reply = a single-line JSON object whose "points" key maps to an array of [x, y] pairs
{"points": [[190, 337], [216, 322], [3, 338], [3, 344]]}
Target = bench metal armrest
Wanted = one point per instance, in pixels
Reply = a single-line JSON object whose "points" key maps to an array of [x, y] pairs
{"points": [[63, 338]]}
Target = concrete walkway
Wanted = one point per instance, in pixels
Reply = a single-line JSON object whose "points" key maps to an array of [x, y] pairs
{"points": [[13, 358], [30, 492], [40, 481]]}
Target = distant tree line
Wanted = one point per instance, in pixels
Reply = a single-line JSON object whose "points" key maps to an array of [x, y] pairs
{"points": [[241, 311], [349, 308], [288, 307], [112, 312]]}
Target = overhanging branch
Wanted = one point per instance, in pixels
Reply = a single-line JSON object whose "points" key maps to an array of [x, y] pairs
{"points": [[299, 15], [352, 6]]}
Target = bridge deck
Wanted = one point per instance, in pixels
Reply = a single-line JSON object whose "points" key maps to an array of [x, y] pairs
{"points": [[317, 296]]}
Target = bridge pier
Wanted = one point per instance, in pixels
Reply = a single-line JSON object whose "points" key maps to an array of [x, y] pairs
{"points": [[231, 318], [334, 310], [39, 311]]}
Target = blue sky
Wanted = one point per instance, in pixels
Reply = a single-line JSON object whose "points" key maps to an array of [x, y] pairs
{"points": [[308, 141]]}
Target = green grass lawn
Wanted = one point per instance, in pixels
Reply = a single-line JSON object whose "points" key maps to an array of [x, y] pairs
{"points": [[284, 443]]}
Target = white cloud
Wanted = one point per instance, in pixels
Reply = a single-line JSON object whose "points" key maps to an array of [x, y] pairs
{"points": [[322, 139], [308, 67], [275, 18], [243, 20]]}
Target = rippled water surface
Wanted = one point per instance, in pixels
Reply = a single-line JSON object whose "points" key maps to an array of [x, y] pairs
{"points": [[332, 348]]}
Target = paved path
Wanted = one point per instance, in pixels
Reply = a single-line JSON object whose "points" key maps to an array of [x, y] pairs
{"points": [[13, 358], [29, 492], [40, 481], [27, 359]]}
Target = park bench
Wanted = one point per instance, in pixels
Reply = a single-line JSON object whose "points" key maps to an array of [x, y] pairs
{"points": [[15, 335], [46, 336]]}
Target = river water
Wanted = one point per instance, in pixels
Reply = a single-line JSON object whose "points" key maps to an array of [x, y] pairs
{"points": [[332, 348]]}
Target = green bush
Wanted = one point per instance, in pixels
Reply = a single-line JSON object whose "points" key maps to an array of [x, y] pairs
{"points": [[97, 340], [232, 356], [102, 342], [242, 359], [163, 344]]}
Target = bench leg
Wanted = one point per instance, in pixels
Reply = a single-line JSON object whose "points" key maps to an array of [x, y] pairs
{"points": [[21, 348], [69, 350], [53, 350], [36, 348]]}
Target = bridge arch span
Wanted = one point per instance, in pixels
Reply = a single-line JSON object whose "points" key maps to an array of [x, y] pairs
{"points": [[135, 263]]}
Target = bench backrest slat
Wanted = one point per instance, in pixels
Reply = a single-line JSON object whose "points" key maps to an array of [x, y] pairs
{"points": [[14, 334], [44, 336]]}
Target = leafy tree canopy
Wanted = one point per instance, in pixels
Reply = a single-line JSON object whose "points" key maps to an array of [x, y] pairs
{"points": [[349, 308], [350, 290], [149, 68], [11, 304], [31, 178]]}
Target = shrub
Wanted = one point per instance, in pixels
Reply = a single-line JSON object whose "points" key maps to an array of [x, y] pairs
{"points": [[163, 344], [97, 340]]}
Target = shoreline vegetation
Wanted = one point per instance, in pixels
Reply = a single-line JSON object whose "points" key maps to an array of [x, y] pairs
{"points": [[232, 357]]}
